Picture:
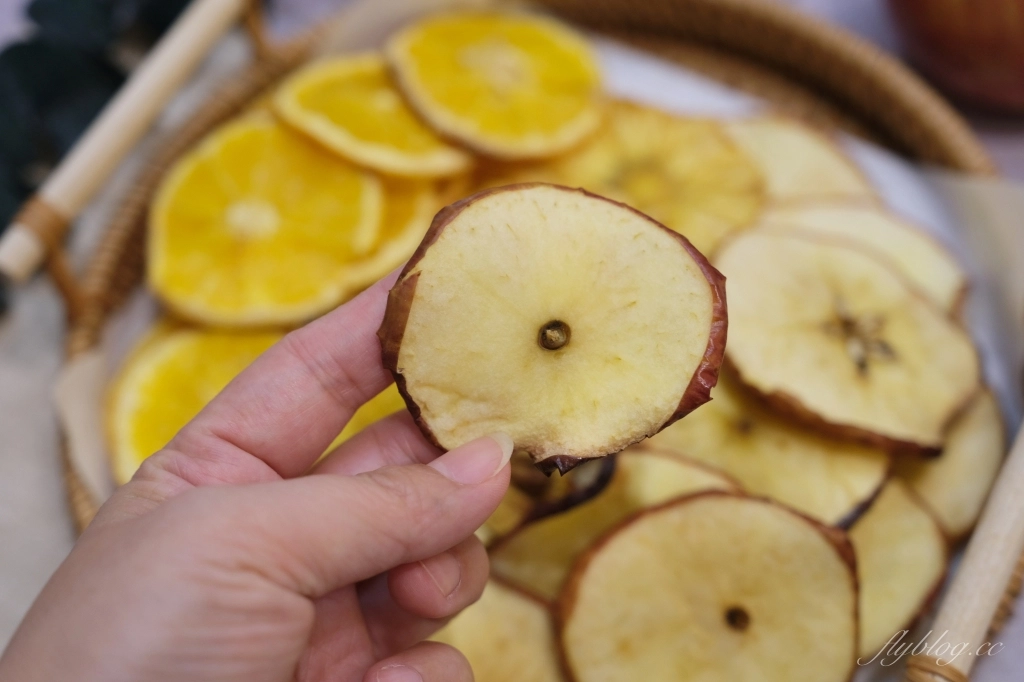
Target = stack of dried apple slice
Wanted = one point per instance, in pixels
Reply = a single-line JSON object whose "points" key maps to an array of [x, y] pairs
{"points": [[713, 587], [835, 337], [850, 404], [849, 337]]}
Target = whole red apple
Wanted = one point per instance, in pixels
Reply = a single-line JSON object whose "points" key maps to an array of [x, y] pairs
{"points": [[974, 49]]}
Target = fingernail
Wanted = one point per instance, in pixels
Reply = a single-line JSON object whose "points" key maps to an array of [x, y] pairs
{"points": [[445, 571], [477, 460], [399, 673]]}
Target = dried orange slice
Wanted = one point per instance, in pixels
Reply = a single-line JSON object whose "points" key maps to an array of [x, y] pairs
{"points": [[171, 376], [409, 206], [683, 172], [351, 106], [508, 85], [259, 226]]}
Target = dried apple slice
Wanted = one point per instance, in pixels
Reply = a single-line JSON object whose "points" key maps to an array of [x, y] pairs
{"points": [[538, 557], [681, 171], [798, 161], [832, 335], [901, 559], [917, 255], [954, 485], [581, 484], [512, 511], [554, 493], [573, 323], [507, 636], [713, 587], [772, 455]]}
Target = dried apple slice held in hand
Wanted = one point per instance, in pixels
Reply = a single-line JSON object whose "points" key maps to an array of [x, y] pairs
{"points": [[571, 322], [714, 586], [507, 636], [955, 485], [832, 335], [901, 559], [539, 556], [769, 454]]}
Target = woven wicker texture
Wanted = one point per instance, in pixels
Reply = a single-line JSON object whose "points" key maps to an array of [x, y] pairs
{"points": [[841, 69]]}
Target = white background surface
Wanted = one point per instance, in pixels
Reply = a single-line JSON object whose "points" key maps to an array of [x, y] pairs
{"points": [[35, 530]]}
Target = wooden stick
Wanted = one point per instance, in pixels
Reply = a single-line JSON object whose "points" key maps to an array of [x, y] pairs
{"points": [[984, 573], [71, 186]]}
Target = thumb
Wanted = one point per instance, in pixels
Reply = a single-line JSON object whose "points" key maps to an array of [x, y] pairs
{"points": [[318, 533]]}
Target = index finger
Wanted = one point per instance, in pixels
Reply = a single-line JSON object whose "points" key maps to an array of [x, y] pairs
{"points": [[287, 407]]}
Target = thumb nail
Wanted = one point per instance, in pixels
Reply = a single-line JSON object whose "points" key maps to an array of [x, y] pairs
{"points": [[476, 461]]}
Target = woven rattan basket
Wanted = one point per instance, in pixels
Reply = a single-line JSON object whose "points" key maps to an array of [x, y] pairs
{"points": [[800, 66], [796, 64]]}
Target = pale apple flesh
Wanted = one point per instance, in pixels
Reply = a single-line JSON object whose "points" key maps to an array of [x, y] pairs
{"points": [[571, 322], [901, 560], [773, 455], [684, 172], [714, 586], [538, 557], [832, 335], [512, 511], [506, 636], [916, 255], [954, 485], [798, 161]]}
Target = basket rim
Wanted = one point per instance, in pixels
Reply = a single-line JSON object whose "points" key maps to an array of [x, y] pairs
{"points": [[838, 64]]}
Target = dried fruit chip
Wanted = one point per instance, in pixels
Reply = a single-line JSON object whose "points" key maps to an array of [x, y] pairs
{"points": [[798, 161], [508, 85], [915, 254], [834, 336], [683, 172], [506, 636], [772, 455], [955, 484], [539, 556], [408, 207], [901, 559], [514, 508], [172, 375], [350, 105], [574, 324], [258, 226], [713, 587]]}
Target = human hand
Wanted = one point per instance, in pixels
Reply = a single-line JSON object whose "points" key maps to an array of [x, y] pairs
{"points": [[223, 560]]}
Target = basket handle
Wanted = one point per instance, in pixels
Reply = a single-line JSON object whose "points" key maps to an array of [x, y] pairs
{"points": [[985, 583], [37, 232]]}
